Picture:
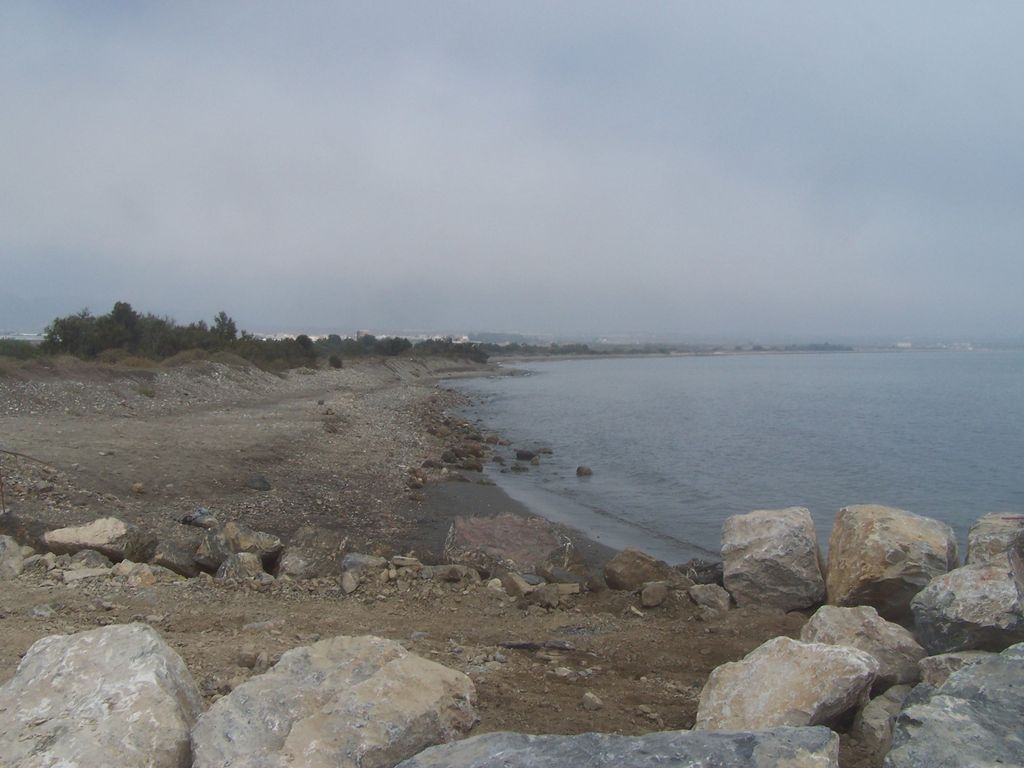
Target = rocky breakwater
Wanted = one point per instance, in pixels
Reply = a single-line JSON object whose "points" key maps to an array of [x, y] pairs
{"points": [[884, 564]]}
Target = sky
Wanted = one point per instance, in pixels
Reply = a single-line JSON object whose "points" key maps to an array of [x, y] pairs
{"points": [[750, 169]]}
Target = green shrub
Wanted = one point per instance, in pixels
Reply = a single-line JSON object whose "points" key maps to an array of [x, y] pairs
{"points": [[334, 361]]}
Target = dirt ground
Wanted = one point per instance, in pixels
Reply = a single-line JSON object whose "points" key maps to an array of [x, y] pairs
{"points": [[336, 448]]}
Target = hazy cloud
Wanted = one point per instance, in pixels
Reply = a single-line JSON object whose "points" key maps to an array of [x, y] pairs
{"points": [[784, 168]]}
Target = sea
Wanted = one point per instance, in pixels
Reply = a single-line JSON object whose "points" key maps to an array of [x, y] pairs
{"points": [[678, 444]]}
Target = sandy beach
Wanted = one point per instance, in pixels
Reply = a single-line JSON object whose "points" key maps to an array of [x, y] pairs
{"points": [[336, 456]]}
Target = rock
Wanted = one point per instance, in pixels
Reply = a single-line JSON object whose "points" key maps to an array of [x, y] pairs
{"points": [[710, 596], [450, 573], [591, 702], [653, 594], [522, 455], [312, 553], [894, 648], [81, 574], [546, 596], [703, 571], [22, 528], [402, 561], [872, 727], [350, 701], [38, 565], [138, 489], [630, 569], [776, 748], [584, 471], [786, 682], [882, 557], [992, 535], [503, 542], [935, 670], [43, 612], [11, 559], [771, 558], [358, 564], [243, 566], [201, 518], [236, 538], [349, 583], [977, 607], [89, 558], [973, 719], [515, 585], [112, 537], [175, 557], [116, 695], [258, 483]]}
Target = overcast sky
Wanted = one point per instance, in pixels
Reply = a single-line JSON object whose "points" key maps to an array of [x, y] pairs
{"points": [[749, 169]]}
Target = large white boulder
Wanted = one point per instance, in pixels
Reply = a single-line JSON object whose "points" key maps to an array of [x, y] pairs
{"points": [[882, 557], [894, 647], [771, 557], [786, 682], [992, 535], [977, 607], [110, 536], [346, 701], [117, 695]]}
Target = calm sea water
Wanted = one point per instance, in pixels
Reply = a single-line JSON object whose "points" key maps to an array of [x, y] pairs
{"points": [[679, 444]]}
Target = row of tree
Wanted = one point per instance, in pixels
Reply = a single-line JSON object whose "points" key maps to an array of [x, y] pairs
{"points": [[126, 331]]}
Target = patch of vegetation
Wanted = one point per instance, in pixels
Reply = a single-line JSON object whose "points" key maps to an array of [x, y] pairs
{"points": [[126, 337]]}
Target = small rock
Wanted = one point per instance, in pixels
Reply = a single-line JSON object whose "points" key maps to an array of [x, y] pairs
{"points": [[138, 489], [653, 594], [12, 562], [584, 471], [349, 582], [710, 596], [591, 702], [258, 483], [43, 612], [89, 558], [630, 569], [243, 566]]}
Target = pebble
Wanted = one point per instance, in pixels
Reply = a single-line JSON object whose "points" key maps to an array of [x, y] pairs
{"points": [[591, 702]]}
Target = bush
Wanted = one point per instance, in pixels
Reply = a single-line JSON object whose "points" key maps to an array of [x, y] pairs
{"points": [[334, 361]]}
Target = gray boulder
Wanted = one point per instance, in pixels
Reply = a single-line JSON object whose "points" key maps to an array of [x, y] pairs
{"points": [[935, 670], [349, 701], [109, 536], [11, 559], [786, 682], [973, 719], [992, 535], [775, 748], [710, 596], [977, 607], [771, 558], [882, 557], [895, 649], [312, 553], [112, 696]]}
